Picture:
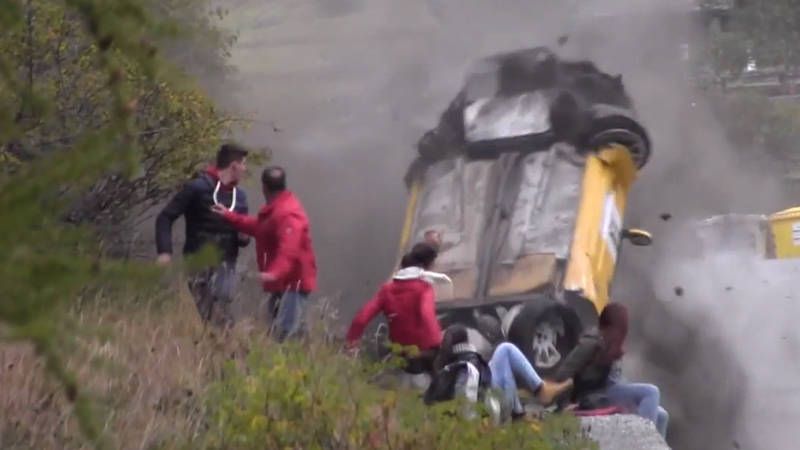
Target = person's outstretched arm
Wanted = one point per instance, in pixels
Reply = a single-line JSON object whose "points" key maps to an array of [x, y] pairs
{"points": [[175, 208], [364, 317], [242, 222]]}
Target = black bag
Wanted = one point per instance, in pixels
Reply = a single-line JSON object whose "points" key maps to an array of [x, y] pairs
{"points": [[443, 384]]}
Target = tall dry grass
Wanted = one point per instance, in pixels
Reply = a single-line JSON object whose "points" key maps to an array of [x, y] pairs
{"points": [[146, 368]]}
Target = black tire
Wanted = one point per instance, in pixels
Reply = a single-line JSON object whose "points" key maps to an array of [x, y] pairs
{"points": [[543, 322], [375, 344], [611, 124]]}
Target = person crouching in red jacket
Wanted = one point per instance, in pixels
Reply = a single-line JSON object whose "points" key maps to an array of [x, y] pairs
{"points": [[284, 251], [409, 304]]}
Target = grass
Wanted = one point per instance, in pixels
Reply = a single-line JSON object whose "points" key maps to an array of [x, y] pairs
{"points": [[159, 380], [146, 369]]}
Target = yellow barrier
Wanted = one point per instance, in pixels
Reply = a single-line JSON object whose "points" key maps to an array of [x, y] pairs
{"points": [[785, 227]]}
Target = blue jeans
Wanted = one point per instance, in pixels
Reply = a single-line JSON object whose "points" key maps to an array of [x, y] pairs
{"points": [[506, 363], [287, 310], [644, 398], [213, 289]]}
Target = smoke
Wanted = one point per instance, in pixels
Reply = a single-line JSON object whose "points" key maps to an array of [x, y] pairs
{"points": [[342, 89]]}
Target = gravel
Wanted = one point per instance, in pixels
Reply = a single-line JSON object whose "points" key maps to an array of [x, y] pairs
{"points": [[623, 432]]}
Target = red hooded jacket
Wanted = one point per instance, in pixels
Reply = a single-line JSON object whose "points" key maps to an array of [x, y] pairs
{"points": [[283, 243], [409, 304]]}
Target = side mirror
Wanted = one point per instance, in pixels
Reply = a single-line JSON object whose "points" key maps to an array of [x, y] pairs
{"points": [[637, 237]]}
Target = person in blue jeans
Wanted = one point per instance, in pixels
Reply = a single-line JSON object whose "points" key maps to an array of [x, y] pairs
{"points": [[462, 371], [507, 365], [644, 398], [594, 365]]}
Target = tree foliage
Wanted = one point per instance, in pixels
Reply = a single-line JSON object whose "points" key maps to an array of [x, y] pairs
{"points": [[173, 123], [725, 53], [87, 105], [754, 121], [764, 32], [772, 30]]}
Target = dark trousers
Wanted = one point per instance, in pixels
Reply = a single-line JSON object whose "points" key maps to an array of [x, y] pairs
{"points": [[213, 290]]}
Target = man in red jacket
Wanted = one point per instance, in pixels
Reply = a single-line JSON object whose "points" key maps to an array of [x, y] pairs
{"points": [[409, 304], [284, 251]]}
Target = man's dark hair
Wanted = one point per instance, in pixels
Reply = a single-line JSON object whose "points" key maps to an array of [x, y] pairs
{"points": [[274, 178], [407, 261], [423, 255], [230, 153]]}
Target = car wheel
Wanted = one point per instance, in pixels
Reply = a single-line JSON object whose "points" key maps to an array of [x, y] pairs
{"points": [[545, 332]]}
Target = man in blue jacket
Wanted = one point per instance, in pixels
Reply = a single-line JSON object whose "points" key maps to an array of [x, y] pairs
{"points": [[212, 288]]}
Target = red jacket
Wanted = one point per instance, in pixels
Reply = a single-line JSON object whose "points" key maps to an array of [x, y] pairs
{"points": [[410, 308], [283, 243]]}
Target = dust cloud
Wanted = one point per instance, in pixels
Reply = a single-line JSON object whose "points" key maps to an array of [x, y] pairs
{"points": [[342, 89]]}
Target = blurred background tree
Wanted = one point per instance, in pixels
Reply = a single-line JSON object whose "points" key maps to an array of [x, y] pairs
{"points": [[174, 124], [752, 52], [95, 127]]}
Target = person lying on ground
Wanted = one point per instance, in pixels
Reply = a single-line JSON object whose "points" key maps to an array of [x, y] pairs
{"points": [[594, 365], [284, 251], [211, 288], [408, 302], [462, 372]]}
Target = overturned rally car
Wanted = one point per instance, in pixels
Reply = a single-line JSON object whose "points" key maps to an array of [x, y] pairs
{"points": [[525, 179]]}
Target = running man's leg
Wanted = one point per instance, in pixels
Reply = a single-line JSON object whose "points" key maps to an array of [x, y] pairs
{"points": [[223, 287], [200, 288]]}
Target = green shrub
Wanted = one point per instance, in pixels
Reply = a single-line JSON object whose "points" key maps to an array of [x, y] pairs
{"points": [[303, 396]]}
